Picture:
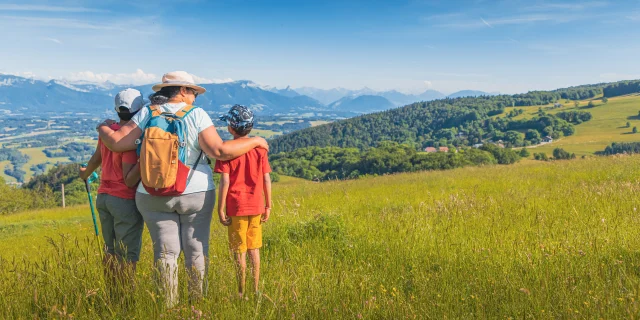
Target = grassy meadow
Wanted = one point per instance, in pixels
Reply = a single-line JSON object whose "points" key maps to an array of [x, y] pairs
{"points": [[533, 240]]}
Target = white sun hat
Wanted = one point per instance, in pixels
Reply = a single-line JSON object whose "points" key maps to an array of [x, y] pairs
{"points": [[178, 79], [129, 98]]}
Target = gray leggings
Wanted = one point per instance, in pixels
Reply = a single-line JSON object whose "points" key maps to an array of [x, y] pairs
{"points": [[180, 223]]}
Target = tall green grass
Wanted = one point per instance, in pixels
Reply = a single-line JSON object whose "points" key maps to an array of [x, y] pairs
{"points": [[532, 240]]}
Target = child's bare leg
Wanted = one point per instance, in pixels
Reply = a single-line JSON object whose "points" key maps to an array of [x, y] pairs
{"points": [[241, 259], [255, 260]]}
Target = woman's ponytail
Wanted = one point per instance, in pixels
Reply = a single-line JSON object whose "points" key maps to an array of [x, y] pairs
{"points": [[164, 95]]}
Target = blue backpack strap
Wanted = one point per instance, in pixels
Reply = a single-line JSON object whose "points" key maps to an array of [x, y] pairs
{"points": [[154, 111]]}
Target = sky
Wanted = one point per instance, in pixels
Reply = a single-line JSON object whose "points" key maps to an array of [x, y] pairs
{"points": [[406, 45]]}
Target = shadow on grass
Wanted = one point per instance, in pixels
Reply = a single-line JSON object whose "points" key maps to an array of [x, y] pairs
{"points": [[629, 133], [633, 117]]}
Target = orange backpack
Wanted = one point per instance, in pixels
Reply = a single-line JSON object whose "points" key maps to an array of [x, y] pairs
{"points": [[163, 155]]}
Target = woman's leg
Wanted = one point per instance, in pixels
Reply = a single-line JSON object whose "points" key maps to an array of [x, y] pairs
{"points": [[195, 225], [164, 228]]}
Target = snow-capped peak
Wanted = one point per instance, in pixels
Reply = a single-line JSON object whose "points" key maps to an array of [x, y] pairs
{"points": [[67, 85]]}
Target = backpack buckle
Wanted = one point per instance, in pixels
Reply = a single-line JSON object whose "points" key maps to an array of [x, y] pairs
{"points": [[183, 144], [138, 141]]}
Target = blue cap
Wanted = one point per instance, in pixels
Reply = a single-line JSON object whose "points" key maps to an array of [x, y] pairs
{"points": [[239, 118]]}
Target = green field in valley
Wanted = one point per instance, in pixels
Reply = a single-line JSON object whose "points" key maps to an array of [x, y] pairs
{"points": [[38, 157], [536, 239], [264, 133], [607, 125]]}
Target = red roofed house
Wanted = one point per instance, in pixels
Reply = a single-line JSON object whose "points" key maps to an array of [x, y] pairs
{"points": [[430, 149], [443, 149]]}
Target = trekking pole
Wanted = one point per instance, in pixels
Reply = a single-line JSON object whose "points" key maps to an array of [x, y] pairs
{"points": [[92, 178]]}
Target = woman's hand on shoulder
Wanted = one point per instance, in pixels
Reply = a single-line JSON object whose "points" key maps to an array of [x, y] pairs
{"points": [[261, 143], [106, 122]]}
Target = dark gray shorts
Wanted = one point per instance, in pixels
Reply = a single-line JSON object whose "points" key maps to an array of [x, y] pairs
{"points": [[122, 226]]}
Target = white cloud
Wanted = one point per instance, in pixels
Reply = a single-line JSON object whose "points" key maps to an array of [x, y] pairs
{"points": [[140, 26], [635, 16], [549, 49], [568, 6], [486, 23], [57, 23], [512, 20], [45, 8], [202, 80], [461, 75], [612, 76], [24, 74], [54, 40], [428, 84], [139, 77]]}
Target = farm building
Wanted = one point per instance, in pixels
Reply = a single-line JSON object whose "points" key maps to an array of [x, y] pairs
{"points": [[432, 149]]}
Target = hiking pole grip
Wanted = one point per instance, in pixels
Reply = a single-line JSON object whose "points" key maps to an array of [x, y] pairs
{"points": [[93, 213]]}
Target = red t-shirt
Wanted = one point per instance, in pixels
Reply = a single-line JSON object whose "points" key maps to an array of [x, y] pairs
{"points": [[246, 182], [112, 180]]}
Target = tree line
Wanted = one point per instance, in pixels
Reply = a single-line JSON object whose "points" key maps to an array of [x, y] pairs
{"points": [[447, 122], [329, 163], [17, 159], [75, 151], [621, 148], [621, 88]]}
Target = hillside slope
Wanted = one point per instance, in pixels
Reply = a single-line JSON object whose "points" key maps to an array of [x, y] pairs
{"points": [[608, 125], [458, 122]]}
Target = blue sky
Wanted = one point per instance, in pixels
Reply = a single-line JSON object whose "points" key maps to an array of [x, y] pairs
{"points": [[412, 45]]}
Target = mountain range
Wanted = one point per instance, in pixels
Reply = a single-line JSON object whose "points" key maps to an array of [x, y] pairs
{"points": [[362, 104], [329, 96], [20, 95]]}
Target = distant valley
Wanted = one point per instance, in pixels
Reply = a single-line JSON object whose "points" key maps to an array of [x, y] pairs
{"points": [[46, 123]]}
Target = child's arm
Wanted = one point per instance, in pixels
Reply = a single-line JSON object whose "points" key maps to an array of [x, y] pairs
{"points": [[92, 165], [222, 199], [130, 168], [131, 173], [267, 197]]}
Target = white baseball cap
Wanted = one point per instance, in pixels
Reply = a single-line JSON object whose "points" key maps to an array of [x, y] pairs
{"points": [[178, 79], [129, 98]]}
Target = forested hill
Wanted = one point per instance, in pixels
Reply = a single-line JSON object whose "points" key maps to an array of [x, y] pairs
{"points": [[457, 122]]}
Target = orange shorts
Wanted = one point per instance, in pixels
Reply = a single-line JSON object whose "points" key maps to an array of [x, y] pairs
{"points": [[245, 232]]}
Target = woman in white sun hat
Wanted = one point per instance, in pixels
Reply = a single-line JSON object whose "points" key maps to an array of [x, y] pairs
{"points": [[180, 222]]}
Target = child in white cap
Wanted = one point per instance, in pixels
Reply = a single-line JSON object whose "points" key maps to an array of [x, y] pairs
{"points": [[121, 222]]}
